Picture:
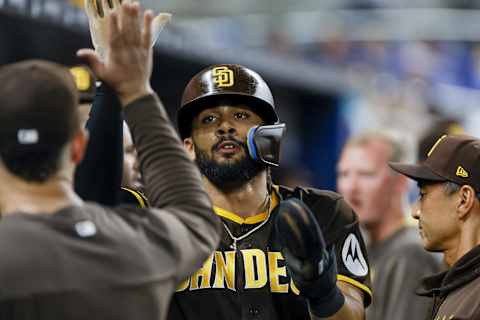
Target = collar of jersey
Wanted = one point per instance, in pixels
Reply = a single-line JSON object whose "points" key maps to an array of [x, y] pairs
{"points": [[250, 220]]}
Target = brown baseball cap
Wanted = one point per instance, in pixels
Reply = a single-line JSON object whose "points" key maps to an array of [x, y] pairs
{"points": [[38, 106], [454, 158]]}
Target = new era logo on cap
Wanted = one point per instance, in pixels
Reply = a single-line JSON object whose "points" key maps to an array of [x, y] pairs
{"points": [[461, 172]]}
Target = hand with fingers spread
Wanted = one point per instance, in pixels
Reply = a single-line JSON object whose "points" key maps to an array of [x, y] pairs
{"points": [[127, 66], [98, 11]]}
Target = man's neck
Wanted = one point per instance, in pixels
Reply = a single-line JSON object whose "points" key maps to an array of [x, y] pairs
{"points": [[17, 195], [467, 238], [246, 201]]}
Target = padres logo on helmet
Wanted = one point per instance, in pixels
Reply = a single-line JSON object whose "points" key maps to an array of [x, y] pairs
{"points": [[223, 77], [237, 82]]}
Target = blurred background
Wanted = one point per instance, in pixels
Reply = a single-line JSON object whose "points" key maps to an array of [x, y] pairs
{"points": [[336, 67]]}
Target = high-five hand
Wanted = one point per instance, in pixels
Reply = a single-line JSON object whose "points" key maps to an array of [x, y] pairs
{"points": [[127, 66], [98, 12]]}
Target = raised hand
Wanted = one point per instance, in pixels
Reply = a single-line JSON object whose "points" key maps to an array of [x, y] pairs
{"points": [[127, 65], [98, 11]]}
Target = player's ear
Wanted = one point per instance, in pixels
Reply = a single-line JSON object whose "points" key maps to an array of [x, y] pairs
{"points": [[190, 146], [79, 146], [466, 198]]}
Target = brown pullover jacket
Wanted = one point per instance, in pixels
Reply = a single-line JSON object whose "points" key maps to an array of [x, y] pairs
{"points": [[93, 262], [456, 292]]}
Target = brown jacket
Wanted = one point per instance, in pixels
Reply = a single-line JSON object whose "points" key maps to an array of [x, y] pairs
{"points": [[455, 292], [93, 262]]}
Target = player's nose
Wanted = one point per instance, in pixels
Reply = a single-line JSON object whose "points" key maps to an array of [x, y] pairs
{"points": [[226, 128]]}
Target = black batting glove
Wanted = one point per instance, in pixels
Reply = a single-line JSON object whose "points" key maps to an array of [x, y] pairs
{"points": [[312, 267]]}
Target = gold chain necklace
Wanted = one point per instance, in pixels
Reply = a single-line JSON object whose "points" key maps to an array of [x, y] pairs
{"points": [[243, 236]]}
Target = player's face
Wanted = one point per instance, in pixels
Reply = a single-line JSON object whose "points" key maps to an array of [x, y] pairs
{"points": [[131, 173], [366, 181], [222, 132], [435, 212], [218, 141]]}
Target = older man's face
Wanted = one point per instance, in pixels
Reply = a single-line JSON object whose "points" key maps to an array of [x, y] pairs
{"points": [[366, 181]]}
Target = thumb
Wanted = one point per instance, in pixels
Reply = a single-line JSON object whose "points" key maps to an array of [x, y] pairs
{"points": [[158, 24], [93, 60]]}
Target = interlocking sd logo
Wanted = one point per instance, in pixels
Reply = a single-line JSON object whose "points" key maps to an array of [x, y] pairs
{"points": [[223, 77]]}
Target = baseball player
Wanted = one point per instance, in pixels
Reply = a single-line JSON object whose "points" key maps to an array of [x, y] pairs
{"points": [[99, 177], [284, 253], [66, 259]]}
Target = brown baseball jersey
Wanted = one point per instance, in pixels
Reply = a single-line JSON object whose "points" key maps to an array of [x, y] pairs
{"points": [[250, 280]]}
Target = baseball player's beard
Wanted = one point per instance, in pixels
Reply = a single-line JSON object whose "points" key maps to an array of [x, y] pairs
{"points": [[227, 177]]}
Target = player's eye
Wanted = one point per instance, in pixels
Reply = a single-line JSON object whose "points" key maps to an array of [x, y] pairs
{"points": [[208, 119], [368, 174], [241, 115]]}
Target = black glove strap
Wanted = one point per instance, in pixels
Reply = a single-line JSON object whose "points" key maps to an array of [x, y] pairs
{"points": [[323, 296], [327, 305]]}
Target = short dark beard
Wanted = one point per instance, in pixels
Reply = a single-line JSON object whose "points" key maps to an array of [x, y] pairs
{"points": [[231, 176]]}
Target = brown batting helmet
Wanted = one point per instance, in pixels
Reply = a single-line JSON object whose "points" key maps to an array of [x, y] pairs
{"points": [[232, 81]]}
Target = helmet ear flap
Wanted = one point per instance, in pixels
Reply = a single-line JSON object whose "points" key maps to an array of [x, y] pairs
{"points": [[252, 150], [264, 143]]}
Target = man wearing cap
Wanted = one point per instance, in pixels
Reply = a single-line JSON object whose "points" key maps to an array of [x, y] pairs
{"points": [[378, 196], [66, 259], [448, 214], [285, 253]]}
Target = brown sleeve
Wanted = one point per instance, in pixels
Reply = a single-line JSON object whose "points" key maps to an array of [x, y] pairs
{"points": [[173, 184]]}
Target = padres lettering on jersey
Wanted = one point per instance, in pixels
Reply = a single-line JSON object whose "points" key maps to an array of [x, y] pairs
{"points": [[253, 282], [260, 269]]}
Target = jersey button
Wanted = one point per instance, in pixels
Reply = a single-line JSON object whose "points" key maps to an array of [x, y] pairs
{"points": [[254, 311]]}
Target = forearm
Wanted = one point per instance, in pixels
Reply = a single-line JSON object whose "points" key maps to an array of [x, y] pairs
{"points": [[185, 223], [98, 177], [353, 309], [171, 178]]}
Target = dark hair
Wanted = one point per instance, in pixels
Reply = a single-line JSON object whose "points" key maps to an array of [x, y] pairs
{"points": [[33, 166], [449, 187], [38, 117]]}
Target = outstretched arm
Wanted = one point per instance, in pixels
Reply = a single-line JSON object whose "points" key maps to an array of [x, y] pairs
{"points": [[184, 223], [98, 178]]}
